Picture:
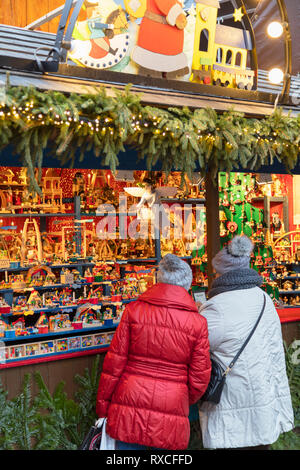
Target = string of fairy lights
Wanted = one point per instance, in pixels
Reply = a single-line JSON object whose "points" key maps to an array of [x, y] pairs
{"points": [[101, 124], [248, 132]]}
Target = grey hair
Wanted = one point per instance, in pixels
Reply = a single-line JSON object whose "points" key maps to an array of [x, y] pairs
{"points": [[173, 270]]}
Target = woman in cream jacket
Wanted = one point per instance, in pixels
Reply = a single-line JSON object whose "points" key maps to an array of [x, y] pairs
{"points": [[255, 406]]}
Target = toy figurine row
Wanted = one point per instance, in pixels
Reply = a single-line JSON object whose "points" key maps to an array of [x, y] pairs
{"points": [[290, 300], [43, 276], [86, 316], [52, 347], [97, 302], [126, 289], [285, 281]]}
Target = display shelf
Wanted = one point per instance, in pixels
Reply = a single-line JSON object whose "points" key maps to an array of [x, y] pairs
{"points": [[184, 201], [13, 185], [290, 278], [57, 355], [6, 291], [281, 292], [271, 198], [283, 307], [51, 266], [51, 334], [136, 260], [66, 307], [53, 286], [35, 214], [104, 213], [143, 260], [60, 286], [11, 363], [88, 264], [54, 348], [41, 310]]}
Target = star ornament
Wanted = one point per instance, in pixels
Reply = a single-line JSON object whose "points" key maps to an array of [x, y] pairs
{"points": [[238, 14]]}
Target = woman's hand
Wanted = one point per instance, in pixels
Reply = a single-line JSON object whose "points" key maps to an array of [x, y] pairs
{"points": [[198, 304]]}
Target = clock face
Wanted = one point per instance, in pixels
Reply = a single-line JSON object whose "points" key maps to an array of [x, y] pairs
{"points": [[204, 14]]}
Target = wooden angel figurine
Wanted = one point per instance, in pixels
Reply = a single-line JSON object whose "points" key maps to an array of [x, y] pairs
{"points": [[150, 206]]}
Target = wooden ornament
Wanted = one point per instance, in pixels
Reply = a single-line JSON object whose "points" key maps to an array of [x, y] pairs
{"points": [[31, 249], [232, 226], [223, 231]]}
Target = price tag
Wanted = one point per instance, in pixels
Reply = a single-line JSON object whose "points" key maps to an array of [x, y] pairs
{"points": [[199, 297]]}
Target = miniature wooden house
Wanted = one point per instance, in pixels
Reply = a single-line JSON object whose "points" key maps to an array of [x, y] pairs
{"points": [[230, 55], [51, 187], [6, 176], [204, 40], [220, 52]]}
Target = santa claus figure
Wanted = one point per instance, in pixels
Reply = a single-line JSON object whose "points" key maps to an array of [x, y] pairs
{"points": [[159, 49]]}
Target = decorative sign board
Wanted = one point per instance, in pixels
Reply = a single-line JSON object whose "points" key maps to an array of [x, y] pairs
{"points": [[164, 39]]}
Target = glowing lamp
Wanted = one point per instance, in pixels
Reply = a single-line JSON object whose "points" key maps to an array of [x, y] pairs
{"points": [[276, 76], [275, 29]]}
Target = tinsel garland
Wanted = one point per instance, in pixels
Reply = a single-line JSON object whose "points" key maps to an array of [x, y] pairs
{"points": [[178, 138]]}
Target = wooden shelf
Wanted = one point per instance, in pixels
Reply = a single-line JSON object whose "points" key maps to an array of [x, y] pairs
{"points": [[57, 309], [103, 214], [59, 333], [184, 201], [34, 214], [282, 292]]}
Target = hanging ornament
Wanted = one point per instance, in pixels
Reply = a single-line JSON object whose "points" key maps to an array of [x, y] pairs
{"points": [[260, 225], [251, 222], [223, 217], [223, 231], [259, 261], [232, 226], [244, 217], [225, 201]]}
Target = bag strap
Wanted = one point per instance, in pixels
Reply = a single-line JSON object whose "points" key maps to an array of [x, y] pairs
{"points": [[247, 340]]}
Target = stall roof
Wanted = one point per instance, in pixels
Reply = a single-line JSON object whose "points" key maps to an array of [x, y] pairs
{"points": [[150, 90], [24, 53]]}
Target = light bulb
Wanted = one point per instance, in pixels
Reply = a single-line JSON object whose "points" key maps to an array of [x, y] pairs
{"points": [[276, 76], [275, 29]]}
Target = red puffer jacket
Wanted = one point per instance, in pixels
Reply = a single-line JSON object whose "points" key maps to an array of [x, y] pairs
{"points": [[157, 365]]}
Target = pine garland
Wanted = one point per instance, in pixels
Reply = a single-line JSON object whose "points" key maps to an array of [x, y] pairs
{"points": [[177, 138]]}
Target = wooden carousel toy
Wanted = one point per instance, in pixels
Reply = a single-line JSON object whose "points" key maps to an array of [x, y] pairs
{"points": [[31, 248]]}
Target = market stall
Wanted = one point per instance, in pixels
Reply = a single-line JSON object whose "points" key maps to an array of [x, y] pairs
{"points": [[72, 251], [75, 255]]}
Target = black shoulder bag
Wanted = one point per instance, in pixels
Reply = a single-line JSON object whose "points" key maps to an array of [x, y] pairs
{"points": [[218, 374]]}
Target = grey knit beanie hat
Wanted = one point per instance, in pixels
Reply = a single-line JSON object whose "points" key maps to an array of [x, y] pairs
{"points": [[236, 255], [173, 270]]}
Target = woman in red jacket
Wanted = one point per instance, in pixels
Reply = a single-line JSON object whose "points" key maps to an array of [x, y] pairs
{"points": [[157, 365]]}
